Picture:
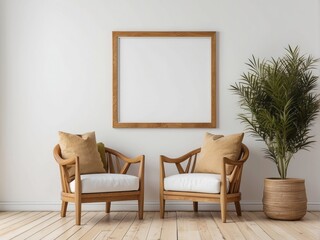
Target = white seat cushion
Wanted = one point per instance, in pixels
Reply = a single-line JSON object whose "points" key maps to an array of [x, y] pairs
{"points": [[107, 182], [194, 182]]}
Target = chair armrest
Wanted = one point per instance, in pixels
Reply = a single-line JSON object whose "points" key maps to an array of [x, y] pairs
{"points": [[176, 161], [235, 176], [64, 175], [67, 162], [141, 174], [137, 159], [60, 160], [128, 161], [232, 162], [179, 159]]}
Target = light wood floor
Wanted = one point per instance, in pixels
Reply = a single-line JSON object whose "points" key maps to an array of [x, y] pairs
{"points": [[176, 225]]}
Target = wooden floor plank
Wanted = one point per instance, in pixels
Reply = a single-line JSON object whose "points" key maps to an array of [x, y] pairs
{"points": [[169, 227], [64, 228], [202, 227], [12, 219], [249, 229], [4, 215], [207, 227], [120, 231], [274, 230], [19, 222], [55, 217], [52, 227], [229, 230], [298, 229], [144, 226], [104, 227], [42, 217], [155, 227], [312, 220], [89, 225], [139, 228], [175, 225], [187, 226], [74, 228], [316, 213], [133, 229]]}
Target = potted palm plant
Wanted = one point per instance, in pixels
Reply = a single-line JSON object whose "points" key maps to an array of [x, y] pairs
{"points": [[280, 104]]}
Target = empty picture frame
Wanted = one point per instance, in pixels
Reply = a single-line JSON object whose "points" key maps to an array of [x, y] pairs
{"points": [[164, 79]]}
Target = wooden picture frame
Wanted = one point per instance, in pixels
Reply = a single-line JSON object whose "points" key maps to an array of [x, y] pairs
{"points": [[164, 79]]}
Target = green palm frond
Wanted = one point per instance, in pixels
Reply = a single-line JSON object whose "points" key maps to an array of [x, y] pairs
{"points": [[280, 104]]}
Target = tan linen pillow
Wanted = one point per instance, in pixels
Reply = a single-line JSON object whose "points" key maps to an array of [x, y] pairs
{"points": [[214, 149], [84, 146]]}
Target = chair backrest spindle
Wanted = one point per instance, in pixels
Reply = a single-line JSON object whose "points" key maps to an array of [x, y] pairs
{"points": [[188, 165], [179, 167], [194, 162], [118, 170]]}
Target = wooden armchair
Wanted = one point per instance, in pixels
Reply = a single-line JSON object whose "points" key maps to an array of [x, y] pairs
{"points": [[115, 185], [226, 187]]}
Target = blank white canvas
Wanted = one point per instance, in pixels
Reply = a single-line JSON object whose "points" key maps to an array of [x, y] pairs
{"points": [[165, 79]]}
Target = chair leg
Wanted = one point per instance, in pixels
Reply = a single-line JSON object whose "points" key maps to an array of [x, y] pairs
{"points": [[140, 206], [195, 206], [78, 211], [238, 208], [223, 205], [108, 207], [64, 206], [162, 206]]}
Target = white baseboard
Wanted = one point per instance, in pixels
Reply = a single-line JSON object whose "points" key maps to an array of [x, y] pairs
{"points": [[132, 206]]}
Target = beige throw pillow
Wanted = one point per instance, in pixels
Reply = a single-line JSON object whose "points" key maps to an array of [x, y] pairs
{"points": [[214, 149], [84, 146]]}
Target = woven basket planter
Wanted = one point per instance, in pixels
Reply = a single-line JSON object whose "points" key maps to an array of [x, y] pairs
{"points": [[284, 199]]}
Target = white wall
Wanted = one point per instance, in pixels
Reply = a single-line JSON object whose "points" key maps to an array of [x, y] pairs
{"points": [[56, 74]]}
